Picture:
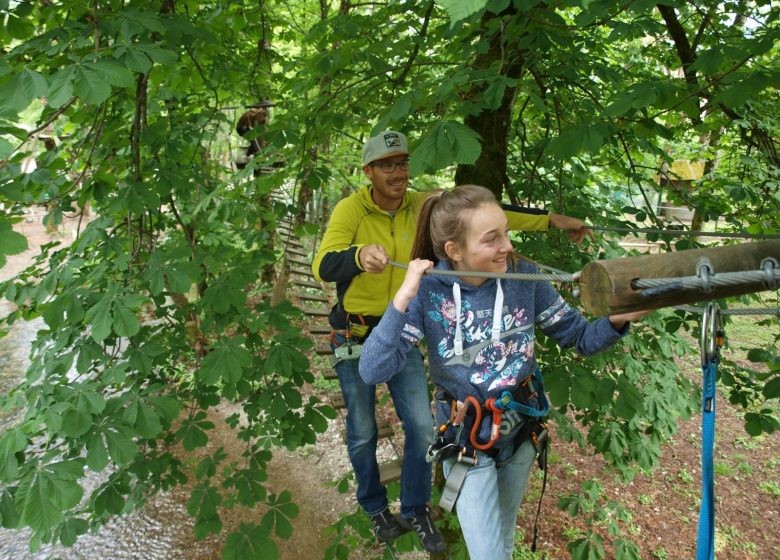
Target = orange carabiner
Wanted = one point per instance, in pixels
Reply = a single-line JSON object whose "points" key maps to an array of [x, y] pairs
{"points": [[495, 428], [475, 428]]}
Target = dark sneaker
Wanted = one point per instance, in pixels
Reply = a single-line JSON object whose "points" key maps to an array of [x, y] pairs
{"points": [[386, 526], [430, 536]]}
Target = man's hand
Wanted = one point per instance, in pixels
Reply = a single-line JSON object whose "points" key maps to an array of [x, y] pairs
{"points": [[372, 258], [575, 228]]}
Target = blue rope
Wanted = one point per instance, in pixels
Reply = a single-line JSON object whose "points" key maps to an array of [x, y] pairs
{"points": [[705, 541]]}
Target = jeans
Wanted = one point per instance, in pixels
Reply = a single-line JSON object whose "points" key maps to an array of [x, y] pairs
{"points": [[409, 389], [489, 500]]}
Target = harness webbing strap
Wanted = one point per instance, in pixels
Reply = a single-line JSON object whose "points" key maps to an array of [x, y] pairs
{"points": [[542, 465], [453, 484], [705, 541]]}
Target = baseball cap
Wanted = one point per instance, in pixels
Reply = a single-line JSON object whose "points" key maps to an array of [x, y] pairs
{"points": [[385, 144]]}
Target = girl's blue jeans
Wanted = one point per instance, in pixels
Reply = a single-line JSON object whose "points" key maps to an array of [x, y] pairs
{"points": [[489, 500]]}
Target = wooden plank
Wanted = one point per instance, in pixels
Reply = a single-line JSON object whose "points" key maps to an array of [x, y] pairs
{"points": [[305, 283], [303, 270], [337, 400], [385, 430], [319, 329], [323, 350], [330, 374], [293, 242], [295, 251], [296, 260], [313, 297], [317, 312], [390, 471]]}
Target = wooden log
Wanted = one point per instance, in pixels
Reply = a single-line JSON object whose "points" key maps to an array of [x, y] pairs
{"points": [[605, 286]]}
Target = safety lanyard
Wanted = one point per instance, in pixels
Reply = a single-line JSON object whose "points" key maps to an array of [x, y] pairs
{"points": [[711, 340]]}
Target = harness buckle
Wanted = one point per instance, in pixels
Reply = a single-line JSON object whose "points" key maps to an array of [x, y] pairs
{"points": [[468, 459]]}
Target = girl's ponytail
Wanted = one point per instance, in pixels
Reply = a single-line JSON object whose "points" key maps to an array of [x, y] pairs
{"points": [[423, 242]]}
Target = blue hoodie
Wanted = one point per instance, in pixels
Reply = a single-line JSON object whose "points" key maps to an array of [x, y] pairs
{"points": [[483, 353]]}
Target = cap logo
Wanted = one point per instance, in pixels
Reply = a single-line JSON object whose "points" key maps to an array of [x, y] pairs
{"points": [[392, 140]]}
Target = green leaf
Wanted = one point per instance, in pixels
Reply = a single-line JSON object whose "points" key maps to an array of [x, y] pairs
{"points": [[587, 548], [46, 492], [9, 517], [250, 542], [90, 86], [11, 242], [115, 74], [494, 94], [71, 529], [626, 550], [226, 361], [629, 402], [61, 87], [579, 138], [111, 499], [76, 422], [136, 60], [193, 431], [758, 355], [125, 321], [31, 84], [204, 501], [35, 507], [284, 360], [278, 517], [446, 143], [97, 454], [157, 54], [6, 148], [121, 446], [147, 422], [181, 277], [461, 9], [772, 389], [583, 384], [168, 408], [99, 317], [12, 444]]}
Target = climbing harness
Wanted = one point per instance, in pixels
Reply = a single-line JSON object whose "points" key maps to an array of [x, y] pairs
{"points": [[710, 342], [354, 335], [449, 440]]}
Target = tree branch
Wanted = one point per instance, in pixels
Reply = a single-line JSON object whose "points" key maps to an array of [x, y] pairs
{"points": [[423, 32]]}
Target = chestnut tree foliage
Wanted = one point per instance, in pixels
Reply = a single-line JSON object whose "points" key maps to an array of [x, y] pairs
{"points": [[157, 311]]}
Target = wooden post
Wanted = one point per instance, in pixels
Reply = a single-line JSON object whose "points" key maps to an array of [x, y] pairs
{"points": [[605, 286]]}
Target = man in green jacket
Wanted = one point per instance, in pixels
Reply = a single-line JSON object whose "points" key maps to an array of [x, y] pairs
{"points": [[366, 230]]}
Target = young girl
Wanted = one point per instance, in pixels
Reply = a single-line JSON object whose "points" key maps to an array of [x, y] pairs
{"points": [[480, 335]]}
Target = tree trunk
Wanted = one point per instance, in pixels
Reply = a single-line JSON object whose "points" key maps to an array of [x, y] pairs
{"points": [[493, 126]]}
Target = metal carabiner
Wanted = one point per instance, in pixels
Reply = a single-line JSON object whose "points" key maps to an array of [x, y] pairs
{"points": [[711, 328]]}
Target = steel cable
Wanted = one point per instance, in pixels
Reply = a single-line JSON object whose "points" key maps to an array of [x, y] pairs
{"points": [[552, 277], [715, 280], [685, 233]]}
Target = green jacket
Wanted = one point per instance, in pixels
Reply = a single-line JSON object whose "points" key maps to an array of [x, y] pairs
{"points": [[357, 221]]}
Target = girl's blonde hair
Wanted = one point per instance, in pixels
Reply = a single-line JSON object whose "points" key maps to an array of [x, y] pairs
{"points": [[443, 218]]}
